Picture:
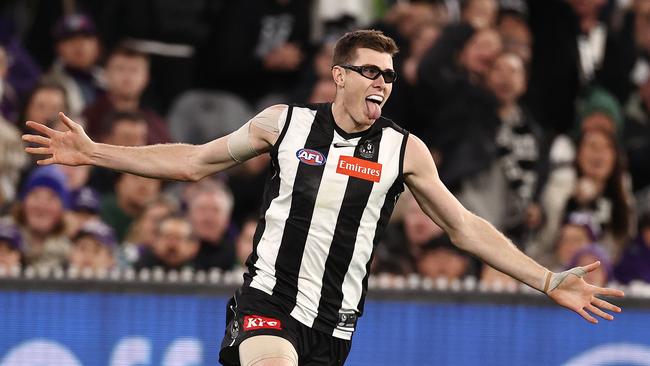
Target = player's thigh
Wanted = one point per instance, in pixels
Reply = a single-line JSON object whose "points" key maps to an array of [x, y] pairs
{"points": [[267, 350]]}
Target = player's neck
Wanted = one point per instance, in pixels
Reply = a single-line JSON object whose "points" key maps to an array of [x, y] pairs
{"points": [[344, 119]]}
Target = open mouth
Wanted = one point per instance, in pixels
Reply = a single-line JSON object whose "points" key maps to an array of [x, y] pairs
{"points": [[373, 106]]}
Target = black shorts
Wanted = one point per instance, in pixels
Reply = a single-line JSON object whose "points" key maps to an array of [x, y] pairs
{"points": [[252, 312]]}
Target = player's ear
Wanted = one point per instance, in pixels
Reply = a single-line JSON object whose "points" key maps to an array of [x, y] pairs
{"points": [[338, 75]]}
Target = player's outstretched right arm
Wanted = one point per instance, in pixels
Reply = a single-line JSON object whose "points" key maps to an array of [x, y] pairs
{"points": [[164, 161]]}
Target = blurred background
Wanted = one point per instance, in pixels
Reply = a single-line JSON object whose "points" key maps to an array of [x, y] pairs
{"points": [[536, 113]]}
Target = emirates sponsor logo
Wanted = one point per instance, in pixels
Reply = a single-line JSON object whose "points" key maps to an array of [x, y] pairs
{"points": [[359, 168], [254, 322]]}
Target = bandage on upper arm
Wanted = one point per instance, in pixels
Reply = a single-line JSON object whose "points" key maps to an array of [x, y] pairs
{"points": [[270, 120]]}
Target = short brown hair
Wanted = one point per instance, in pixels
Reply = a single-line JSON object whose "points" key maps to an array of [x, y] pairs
{"points": [[127, 50], [346, 47]]}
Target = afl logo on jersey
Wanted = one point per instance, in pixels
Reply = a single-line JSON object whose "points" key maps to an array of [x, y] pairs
{"points": [[310, 157]]}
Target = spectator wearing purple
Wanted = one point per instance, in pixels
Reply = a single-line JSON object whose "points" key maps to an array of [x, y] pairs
{"points": [[9, 101], [93, 248], [591, 254], [40, 215], [23, 72], [635, 263], [127, 76], [175, 246], [78, 50], [578, 231], [86, 203], [10, 247]]}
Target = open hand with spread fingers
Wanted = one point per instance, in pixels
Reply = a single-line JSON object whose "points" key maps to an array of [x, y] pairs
{"points": [[570, 290], [72, 147]]}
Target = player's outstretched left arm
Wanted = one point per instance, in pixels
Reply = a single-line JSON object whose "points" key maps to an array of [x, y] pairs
{"points": [[475, 235]]}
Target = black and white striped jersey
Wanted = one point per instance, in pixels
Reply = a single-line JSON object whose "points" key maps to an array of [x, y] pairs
{"points": [[326, 204]]}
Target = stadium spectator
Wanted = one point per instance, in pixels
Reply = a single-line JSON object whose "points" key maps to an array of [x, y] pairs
{"points": [[515, 34], [479, 14], [209, 211], [123, 129], [596, 109], [635, 263], [175, 246], [40, 215], [78, 49], [77, 177], [423, 39], [142, 233], [246, 182], [126, 129], [44, 102], [92, 248], [244, 243], [595, 184], [12, 161], [10, 247], [22, 71], [452, 76], [405, 242], [578, 231], [267, 53], [630, 67], [568, 57], [504, 190], [9, 102], [316, 85], [127, 75], [198, 116], [401, 104], [169, 32], [588, 255], [132, 194], [404, 20], [442, 259], [636, 136], [86, 203]]}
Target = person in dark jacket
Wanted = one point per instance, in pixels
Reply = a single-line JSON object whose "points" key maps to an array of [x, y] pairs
{"points": [[635, 263]]}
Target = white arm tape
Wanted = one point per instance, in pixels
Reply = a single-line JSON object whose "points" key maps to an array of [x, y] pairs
{"points": [[553, 280], [239, 144]]}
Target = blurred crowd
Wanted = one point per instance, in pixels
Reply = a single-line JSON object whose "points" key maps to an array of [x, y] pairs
{"points": [[536, 113]]}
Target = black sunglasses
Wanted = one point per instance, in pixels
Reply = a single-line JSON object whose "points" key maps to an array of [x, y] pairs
{"points": [[372, 72]]}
